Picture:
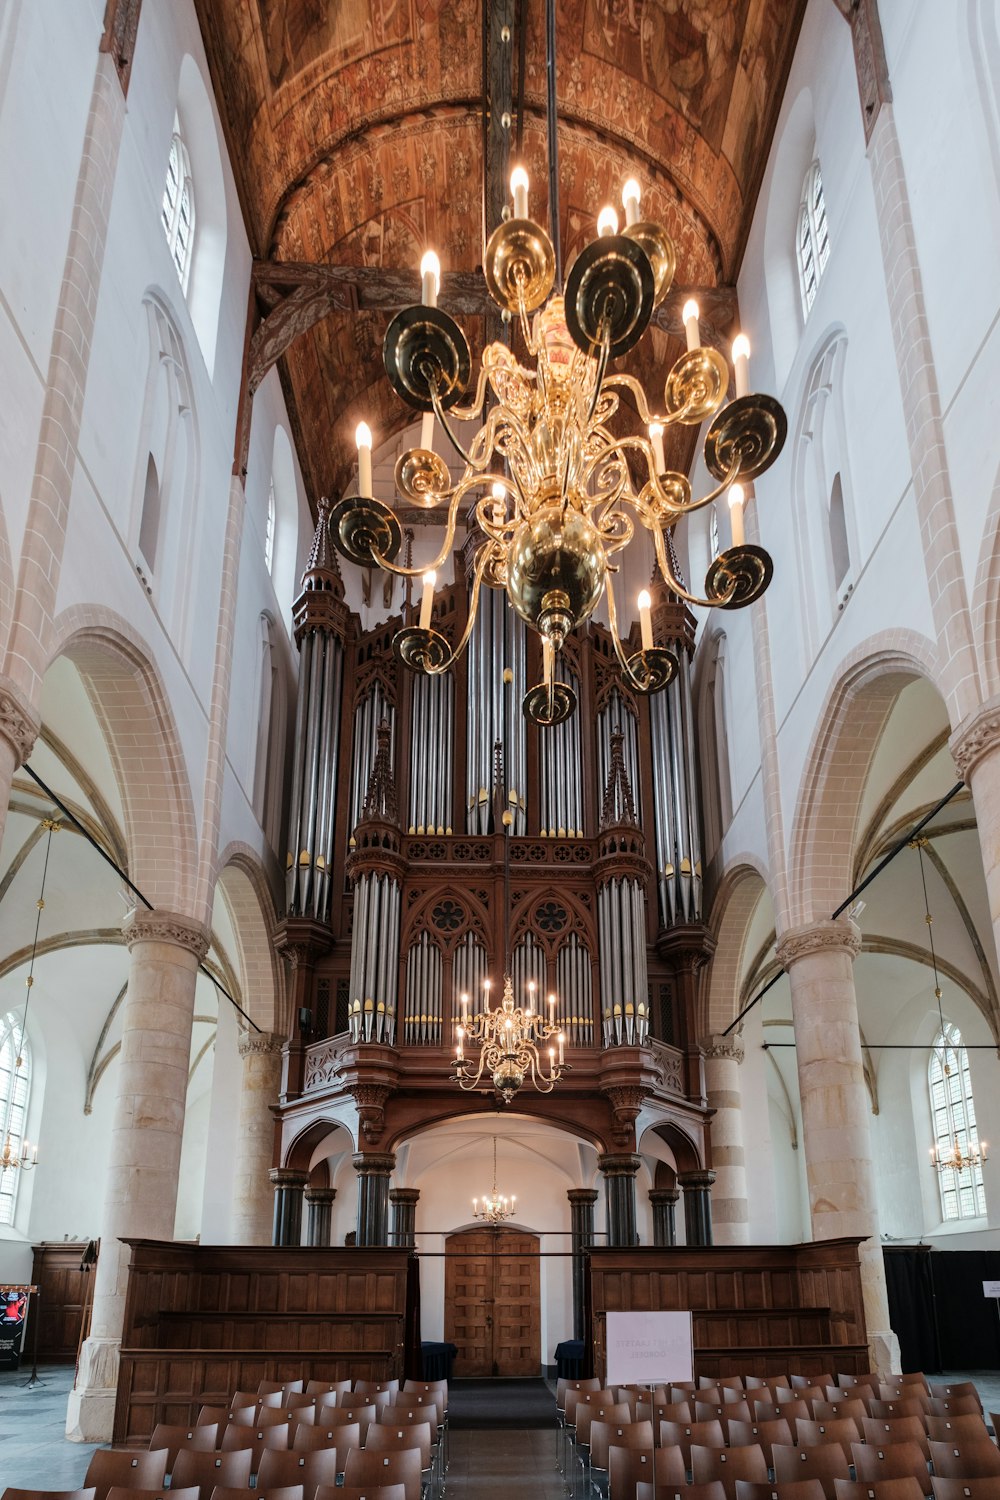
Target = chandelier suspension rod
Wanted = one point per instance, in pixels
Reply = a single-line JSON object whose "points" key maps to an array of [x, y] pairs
{"points": [[897, 848], [553, 135], [522, 43]]}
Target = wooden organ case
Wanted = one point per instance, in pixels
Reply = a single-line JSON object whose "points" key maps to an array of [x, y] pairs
{"points": [[395, 874]]}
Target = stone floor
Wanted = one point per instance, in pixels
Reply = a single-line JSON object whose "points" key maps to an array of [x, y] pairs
{"points": [[493, 1465]]}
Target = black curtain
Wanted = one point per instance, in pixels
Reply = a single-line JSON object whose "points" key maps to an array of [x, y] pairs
{"points": [[413, 1368], [937, 1308], [587, 1367]]}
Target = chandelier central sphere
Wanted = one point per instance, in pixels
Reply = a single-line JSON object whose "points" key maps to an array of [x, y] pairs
{"points": [[555, 481]]}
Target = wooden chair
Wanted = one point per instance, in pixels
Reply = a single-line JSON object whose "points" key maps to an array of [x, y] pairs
{"points": [[364, 1415], [870, 1378], [682, 1434], [392, 1439], [972, 1458], [361, 1492], [282, 1492], [312, 1439], [807, 1393], [126, 1470], [206, 1470], [257, 1439], [807, 1382], [664, 1411], [116, 1492], [602, 1435], [376, 1387], [287, 1400], [165, 1435], [308, 1469], [327, 1387], [246, 1398], [10, 1494], [842, 1430], [728, 1465], [792, 1489], [403, 1467], [961, 1489], [952, 1406], [944, 1429], [714, 1490], [906, 1406], [882, 1489], [768, 1411], [898, 1430], [629, 1467], [825, 1411], [825, 1463], [728, 1411], [766, 1434], [891, 1461], [948, 1390]]}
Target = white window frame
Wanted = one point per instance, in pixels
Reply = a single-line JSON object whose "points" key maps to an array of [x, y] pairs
{"points": [[177, 211], [15, 1095], [962, 1194], [812, 237]]}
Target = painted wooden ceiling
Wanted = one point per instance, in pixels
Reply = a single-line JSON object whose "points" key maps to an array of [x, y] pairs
{"points": [[355, 129]]}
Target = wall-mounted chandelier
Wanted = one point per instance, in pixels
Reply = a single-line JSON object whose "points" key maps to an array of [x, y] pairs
{"points": [[554, 491], [25, 1159], [510, 1039], [497, 1207]]}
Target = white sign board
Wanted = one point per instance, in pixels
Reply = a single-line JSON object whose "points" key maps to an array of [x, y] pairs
{"points": [[991, 1288], [648, 1348]]}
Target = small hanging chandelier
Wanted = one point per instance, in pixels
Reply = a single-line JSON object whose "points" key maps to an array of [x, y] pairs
{"points": [[510, 1039], [26, 1158], [496, 1208], [957, 1160]]}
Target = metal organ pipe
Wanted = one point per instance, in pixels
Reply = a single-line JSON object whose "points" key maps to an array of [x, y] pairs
{"points": [[493, 710], [295, 843], [561, 775]]}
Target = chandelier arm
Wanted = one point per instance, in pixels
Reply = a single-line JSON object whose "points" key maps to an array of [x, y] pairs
{"points": [[477, 579], [602, 366], [629, 383], [693, 505], [470, 412], [678, 588], [439, 412], [401, 570], [615, 638]]}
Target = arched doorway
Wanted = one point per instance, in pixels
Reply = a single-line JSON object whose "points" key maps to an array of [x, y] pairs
{"points": [[492, 1307]]}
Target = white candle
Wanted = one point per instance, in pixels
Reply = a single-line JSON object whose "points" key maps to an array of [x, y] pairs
{"points": [[519, 187], [363, 438], [736, 498], [499, 503], [741, 364], [465, 1006], [427, 599], [645, 620], [460, 1049], [631, 193], [548, 652], [486, 994], [607, 221], [690, 316], [562, 1044], [427, 431], [656, 438], [430, 279]]}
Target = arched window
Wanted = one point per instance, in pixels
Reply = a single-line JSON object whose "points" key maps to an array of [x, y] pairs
{"points": [[269, 529], [177, 211], [15, 1082], [954, 1119], [813, 242]]}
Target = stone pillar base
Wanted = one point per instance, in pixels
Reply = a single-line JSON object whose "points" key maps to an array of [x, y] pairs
{"points": [[883, 1352], [90, 1412]]}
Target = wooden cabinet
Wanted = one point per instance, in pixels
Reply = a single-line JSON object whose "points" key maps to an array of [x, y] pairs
{"points": [[65, 1288], [492, 1307]]}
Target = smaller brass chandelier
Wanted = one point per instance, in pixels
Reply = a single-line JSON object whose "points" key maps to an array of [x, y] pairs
{"points": [[11, 1160], [957, 1160], [497, 1207], [510, 1039]]}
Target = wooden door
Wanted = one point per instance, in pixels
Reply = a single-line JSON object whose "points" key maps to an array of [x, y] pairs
{"points": [[492, 1310]]}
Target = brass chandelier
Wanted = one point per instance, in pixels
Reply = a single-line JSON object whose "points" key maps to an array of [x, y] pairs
{"points": [[555, 489], [510, 1039], [497, 1207]]}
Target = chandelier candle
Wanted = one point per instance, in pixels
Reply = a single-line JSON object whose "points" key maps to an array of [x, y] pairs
{"points": [[430, 285], [363, 438], [519, 189], [645, 603], [607, 222], [427, 599], [736, 500], [691, 329], [741, 364], [630, 202], [656, 438]]}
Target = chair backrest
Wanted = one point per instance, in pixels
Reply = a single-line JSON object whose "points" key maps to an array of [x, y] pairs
{"points": [[891, 1461], [310, 1439], [129, 1470], [309, 1469], [963, 1489], [669, 1411], [723, 1411], [257, 1439], [842, 1430], [387, 1439], [425, 1385], [825, 1463], [713, 1490], [248, 1398], [10, 1494], [365, 1387], [766, 1434], [766, 1411], [870, 1378], [792, 1489], [206, 1470], [602, 1435], [633, 1435], [808, 1393], [728, 1464], [810, 1382], [280, 1492], [628, 1467], [275, 1397], [399, 1415], [898, 1430], [327, 1387], [846, 1406], [270, 1387], [905, 1406], [217, 1414], [952, 1406], [401, 1467], [240, 1416], [682, 1434], [947, 1390], [361, 1492], [173, 1438], [613, 1411], [122, 1492], [944, 1429], [884, 1489], [971, 1458]]}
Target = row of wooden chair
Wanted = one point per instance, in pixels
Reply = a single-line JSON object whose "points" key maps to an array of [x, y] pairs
{"points": [[220, 1492]]}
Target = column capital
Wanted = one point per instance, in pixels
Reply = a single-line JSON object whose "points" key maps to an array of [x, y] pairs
{"points": [[254, 1043], [669, 1196], [842, 936], [696, 1181], [404, 1195], [976, 737], [166, 927], [626, 1165], [727, 1048], [19, 726], [287, 1177], [582, 1195], [320, 1194], [374, 1163]]}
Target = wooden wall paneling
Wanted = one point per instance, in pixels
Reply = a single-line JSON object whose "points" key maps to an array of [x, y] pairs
{"points": [[64, 1289]]}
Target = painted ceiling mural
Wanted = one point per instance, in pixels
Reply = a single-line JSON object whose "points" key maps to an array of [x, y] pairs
{"points": [[355, 127]]}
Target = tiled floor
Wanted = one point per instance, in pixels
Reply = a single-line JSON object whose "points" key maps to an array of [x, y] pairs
{"points": [[494, 1465]]}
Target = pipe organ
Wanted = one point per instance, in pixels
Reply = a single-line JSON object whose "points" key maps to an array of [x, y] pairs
{"points": [[397, 846]]}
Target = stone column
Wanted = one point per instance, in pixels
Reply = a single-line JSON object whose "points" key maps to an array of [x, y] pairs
{"points": [[144, 1155], [975, 747], [619, 1183], [663, 1202], [697, 1189], [730, 1210], [253, 1205], [373, 1169], [18, 732], [289, 1186], [319, 1202], [404, 1216], [836, 1108], [581, 1208]]}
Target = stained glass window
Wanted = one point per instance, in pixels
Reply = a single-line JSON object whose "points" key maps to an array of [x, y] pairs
{"points": [[177, 210], [813, 243]]}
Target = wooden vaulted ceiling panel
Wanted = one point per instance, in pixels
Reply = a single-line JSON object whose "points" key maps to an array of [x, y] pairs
{"points": [[356, 133]]}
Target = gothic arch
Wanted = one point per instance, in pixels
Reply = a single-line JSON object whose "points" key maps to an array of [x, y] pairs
{"points": [[247, 894], [986, 596], [736, 900], [130, 702]]}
